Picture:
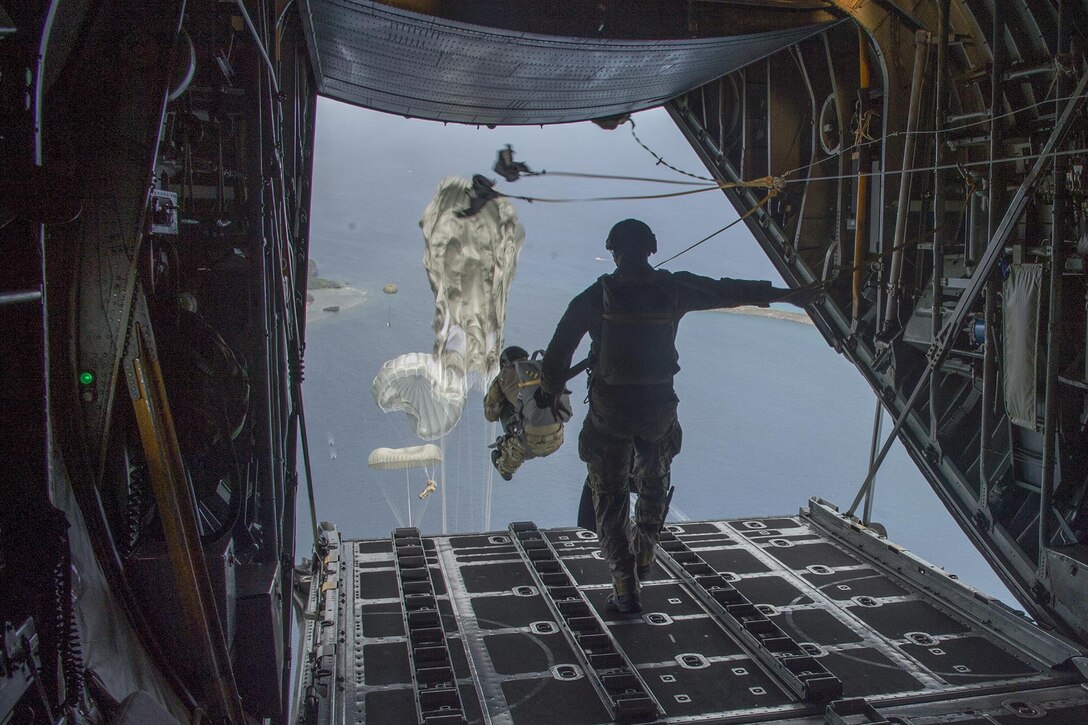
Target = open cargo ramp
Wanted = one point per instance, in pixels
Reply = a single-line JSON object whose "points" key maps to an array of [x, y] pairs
{"points": [[783, 619]]}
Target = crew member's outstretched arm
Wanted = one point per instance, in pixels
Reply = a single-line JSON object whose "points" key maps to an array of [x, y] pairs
{"points": [[568, 334]]}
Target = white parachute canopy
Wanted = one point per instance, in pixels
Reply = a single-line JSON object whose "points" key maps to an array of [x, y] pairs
{"points": [[417, 384], [389, 459], [470, 263]]}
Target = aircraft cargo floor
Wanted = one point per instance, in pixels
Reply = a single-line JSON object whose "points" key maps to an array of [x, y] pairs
{"points": [[810, 618]]}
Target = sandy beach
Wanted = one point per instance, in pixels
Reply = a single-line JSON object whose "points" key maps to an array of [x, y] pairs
{"points": [[800, 317], [343, 297]]}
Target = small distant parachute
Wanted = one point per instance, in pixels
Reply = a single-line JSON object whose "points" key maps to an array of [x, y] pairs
{"points": [[389, 289], [417, 383], [391, 459]]}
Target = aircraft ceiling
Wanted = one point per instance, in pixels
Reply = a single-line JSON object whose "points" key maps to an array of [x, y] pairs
{"points": [[389, 59]]}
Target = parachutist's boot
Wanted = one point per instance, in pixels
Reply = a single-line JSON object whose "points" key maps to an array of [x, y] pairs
{"points": [[496, 454], [624, 598]]}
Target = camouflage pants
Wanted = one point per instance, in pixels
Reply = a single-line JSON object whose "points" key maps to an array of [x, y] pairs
{"points": [[629, 447], [513, 450]]}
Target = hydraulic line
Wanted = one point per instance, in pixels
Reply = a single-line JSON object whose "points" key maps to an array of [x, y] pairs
{"points": [[1058, 232], [939, 194], [989, 348], [260, 44], [921, 52], [860, 209]]}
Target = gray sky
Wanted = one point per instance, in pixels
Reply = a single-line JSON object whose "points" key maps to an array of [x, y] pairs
{"points": [[414, 155], [375, 173]]}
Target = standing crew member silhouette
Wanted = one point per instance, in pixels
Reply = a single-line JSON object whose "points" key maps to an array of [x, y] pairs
{"points": [[630, 434]]}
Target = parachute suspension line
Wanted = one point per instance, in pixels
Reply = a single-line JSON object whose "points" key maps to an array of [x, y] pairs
{"points": [[408, 494], [389, 290], [392, 507], [443, 487], [492, 427]]}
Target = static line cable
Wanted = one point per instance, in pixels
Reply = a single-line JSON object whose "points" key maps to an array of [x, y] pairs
{"points": [[532, 199], [942, 167], [861, 144], [579, 175], [774, 183]]}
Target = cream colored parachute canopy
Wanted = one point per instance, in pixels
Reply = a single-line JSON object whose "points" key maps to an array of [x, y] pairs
{"points": [[470, 263], [415, 383], [389, 459]]}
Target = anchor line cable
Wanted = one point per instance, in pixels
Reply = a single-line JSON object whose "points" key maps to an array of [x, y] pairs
{"points": [[766, 182], [617, 177], [534, 199], [925, 132], [775, 183], [778, 182], [859, 143], [936, 167], [712, 183], [783, 178]]}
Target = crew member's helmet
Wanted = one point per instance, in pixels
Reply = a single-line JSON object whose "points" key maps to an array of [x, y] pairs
{"points": [[631, 235], [512, 354]]}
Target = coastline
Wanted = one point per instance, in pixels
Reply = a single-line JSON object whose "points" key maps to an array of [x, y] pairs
{"points": [[343, 297], [798, 317]]}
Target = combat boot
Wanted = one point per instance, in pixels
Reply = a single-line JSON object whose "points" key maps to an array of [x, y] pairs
{"points": [[623, 599], [495, 456]]}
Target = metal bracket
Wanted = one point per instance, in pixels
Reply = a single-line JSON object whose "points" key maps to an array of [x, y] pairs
{"points": [[776, 650], [434, 682], [20, 666], [853, 711], [616, 680]]}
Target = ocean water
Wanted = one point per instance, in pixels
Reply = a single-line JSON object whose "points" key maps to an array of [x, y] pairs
{"points": [[771, 414]]}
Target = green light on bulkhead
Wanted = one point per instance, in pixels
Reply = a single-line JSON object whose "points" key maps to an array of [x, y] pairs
{"points": [[86, 377]]}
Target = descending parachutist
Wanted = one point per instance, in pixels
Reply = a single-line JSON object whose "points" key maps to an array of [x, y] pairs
{"points": [[431, 488], [389, 289]]}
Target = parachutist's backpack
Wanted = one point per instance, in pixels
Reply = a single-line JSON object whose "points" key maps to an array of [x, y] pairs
{"points": [[530, 412]]}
